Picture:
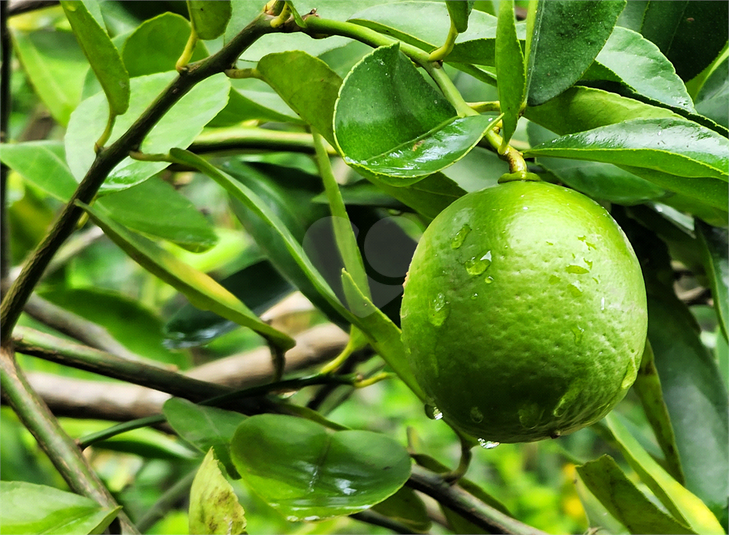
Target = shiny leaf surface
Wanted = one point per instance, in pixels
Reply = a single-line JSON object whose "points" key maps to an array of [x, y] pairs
{"points": [[509, 69], [209, 18], [178, 128], [714, 94], [567, 37], [308, 472]]}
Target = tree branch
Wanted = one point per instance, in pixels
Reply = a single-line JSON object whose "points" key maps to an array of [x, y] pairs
{"points": [[59, 447], [108, 158]]}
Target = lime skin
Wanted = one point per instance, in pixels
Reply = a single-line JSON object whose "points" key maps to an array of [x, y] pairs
{"points": [[524, 312]]}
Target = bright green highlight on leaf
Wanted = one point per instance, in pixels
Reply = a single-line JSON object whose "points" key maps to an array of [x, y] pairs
{"points": [[199, 288], [30, 509], [101, 53], [214, 507], [308, 472]]}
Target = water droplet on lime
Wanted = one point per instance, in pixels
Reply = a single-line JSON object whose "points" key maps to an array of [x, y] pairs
{"points": [[487, 444], [573, 268], [575, 289], [438, 310], [476, 415], [529, 415], [489, 279], [476, 265], [630, 374], [460, 237], [554, 279], [578, 332]]}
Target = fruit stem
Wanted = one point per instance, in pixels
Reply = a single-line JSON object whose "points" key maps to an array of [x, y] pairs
{"points": [[452, 477], [186, 56], [440, 53], [339, 359]]}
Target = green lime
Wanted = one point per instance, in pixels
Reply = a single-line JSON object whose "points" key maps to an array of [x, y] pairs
{"points": [[524, 312]]}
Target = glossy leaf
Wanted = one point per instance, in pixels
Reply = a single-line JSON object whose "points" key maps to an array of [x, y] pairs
{"points": [[689, 33], [629, 58], [157, 43], [30, 509], [209, 18], [178, 128], [203, 427], [382, 334], [259, 286], [567, 37], [584, 108], [509, 69], [214, 507], [625, 502], [595, 179], [714, 94], [306, 84], [459, 13], [428, 196], [716, 263], [648, 388], [676, 154], [153, 207], [201, 290], [384, 87], [248, 107], [308, 472], [681, 503], [255, 204], [407, 508], [103, 56], [56, 67], [691, 385]]}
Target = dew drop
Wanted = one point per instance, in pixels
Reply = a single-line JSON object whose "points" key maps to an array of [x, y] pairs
{"points": [[578, 332], [474, 296], [554, 279], [489, 279], [476, 415], [573, 268], [630, 374], [487, 444], [602, 304], [575, 289], [438, 310], [476, 266], [529, 416], [588, 262], [432, 412], [549, 243], [460, 237]]}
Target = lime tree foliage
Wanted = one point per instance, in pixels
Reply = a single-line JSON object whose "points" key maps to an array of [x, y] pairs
{"points": [[209, 211]]}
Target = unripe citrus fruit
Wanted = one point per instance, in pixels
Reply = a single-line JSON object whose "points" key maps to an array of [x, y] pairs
{"points": [[524, 312]]}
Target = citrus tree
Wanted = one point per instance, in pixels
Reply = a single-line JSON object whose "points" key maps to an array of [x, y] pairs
{"points": [[209, 211]]}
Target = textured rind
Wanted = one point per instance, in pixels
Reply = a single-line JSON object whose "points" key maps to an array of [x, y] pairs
{"points": [[548, 337]]}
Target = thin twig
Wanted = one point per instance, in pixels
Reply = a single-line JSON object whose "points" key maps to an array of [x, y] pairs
{"points": [[108, 158], [60, 448]]}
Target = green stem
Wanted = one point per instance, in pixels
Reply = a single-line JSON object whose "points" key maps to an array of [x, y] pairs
{"points": [[449, 89], [453, 476], [439, 54], [60, 448], [243, 73], [486, 107], [333, 365], [108, 158], [106, 134], [374, 379], [281, 19], [104, 434], [343, 232], [254, 139], [167, 501], [186, 56]]}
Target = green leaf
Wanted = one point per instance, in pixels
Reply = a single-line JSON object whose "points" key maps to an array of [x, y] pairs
{"points": [[713, 95], [595, 179], [429, 196], [509, 69], [675, 154], [381, 333], [251, 106], [584, 108], [259, 286], [201, 290], [625, 502], [209, 19], [203, 427], [256, 205], [155, 208], [157, 43], [214, 507], [152, 207], [690, 34], [459, 13], [31, 509], [308, 472], [56, 67], [648, 387], [681, 503], [567, 37], [306, 84], [101, 53], [385, 87], [630, 59], [691, 385], [407, 508], [716, 263], [178, 127]]}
